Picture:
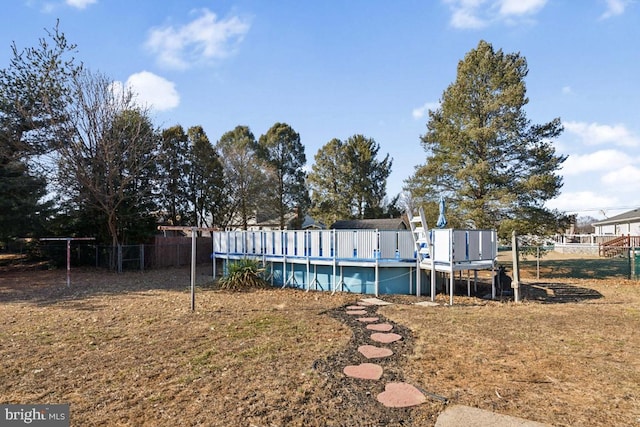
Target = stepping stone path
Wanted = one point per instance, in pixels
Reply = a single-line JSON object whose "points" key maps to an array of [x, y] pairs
{"points": [[386, 337], [368, 319], [373, 352], [380, 327], [401, 395], [357, 312], [367, 371], [395, 394]]}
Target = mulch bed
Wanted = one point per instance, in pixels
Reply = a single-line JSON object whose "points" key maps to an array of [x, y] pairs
{"points": [[358, 396]]}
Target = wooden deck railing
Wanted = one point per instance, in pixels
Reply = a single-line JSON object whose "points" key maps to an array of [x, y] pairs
{"points": [[618, 246]]}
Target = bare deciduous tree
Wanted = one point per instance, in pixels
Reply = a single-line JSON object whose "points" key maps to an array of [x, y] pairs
{"points": [[107, 161]]}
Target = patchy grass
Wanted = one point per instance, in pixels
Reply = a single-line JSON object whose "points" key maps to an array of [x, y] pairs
{"points": [[573, 363], [126, 350], [555, 265]]}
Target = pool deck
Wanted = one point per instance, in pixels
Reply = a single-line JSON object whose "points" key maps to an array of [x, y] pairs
{"points": [[299, 256]]}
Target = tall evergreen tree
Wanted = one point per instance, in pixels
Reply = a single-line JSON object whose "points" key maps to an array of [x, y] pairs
{"points": [[495, 169], [348, 181], [206, 180], [34, 93], [328, 183], [244, 174], [283, 151], [368, 177], [138, 150], [36, 89], [23, 211], [174, 169]]}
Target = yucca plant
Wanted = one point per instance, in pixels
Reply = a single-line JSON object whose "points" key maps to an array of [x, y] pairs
{"points": [[244, 274]]}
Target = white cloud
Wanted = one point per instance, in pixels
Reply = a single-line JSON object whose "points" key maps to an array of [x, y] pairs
{"points": [[422, 111], [466, 19], [475, 14], [603, 160], [80, 4], [595, 134], [153, 91], [614, 8], [623, 179], [520, 7], [581, 201], [566, 90], [204, 39]]}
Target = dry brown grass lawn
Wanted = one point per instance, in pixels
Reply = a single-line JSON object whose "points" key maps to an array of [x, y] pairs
{"points": [[126, 350]]}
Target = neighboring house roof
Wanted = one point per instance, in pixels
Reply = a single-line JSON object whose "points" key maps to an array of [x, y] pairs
{"points": [[631, 216], [375, 224], [310, 223]]}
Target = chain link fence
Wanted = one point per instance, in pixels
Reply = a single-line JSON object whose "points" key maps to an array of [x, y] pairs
{"points": [[544, 263], [172, 252], [536, 262]]}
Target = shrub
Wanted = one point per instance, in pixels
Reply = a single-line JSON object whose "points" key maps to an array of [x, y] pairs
{"points": [[244, 274]]}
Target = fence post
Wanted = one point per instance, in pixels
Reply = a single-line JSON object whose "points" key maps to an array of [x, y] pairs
{"points": [[193, 267], [141, 257], [119, 258], [515, 284], [69, 262], [630, 262], [213, 256]]}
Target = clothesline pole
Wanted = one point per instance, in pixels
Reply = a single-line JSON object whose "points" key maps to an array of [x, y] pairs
{"points": [[68, 240]]}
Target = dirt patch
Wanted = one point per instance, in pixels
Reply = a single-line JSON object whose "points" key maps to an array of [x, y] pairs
{"points": [[126, 350]]}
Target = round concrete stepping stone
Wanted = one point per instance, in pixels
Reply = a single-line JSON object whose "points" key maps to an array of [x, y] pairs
{"points": [[365, 371], [364, 303], [380, 327], [354, 307], [373, 352], [385, 337], [368, 319], [357, 312], [401, 395]]}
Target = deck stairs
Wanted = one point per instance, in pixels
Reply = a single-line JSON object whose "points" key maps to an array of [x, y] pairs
{"points": [[618, 246], [420, 233]]}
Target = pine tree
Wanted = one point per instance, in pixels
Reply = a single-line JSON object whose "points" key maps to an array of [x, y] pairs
{"points": [[348, 181], [284, 153], [495, 169], [34, 94], [174, 167], [206, 180], [328, 184], [244, 174], [368, 177]]}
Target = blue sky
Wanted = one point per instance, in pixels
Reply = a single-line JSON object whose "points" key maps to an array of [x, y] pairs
{"points": [[332, 69]]}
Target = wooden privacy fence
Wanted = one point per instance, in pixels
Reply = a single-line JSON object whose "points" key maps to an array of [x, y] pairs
{"points": [[176, 251]]}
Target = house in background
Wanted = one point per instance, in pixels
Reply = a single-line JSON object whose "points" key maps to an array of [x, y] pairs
{"points": [[311, 224], [371, 224], [627, 223], [261, 220]]}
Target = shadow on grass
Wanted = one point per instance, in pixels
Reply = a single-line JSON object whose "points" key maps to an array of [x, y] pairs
{"points": [[46, 287], [558, 293], [544, 292]]}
